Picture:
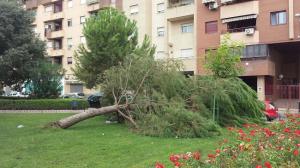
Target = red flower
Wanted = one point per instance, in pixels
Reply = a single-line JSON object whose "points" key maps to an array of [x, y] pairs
{"points": [[218, 151], [258, 166], [287, 130], [211, 156], [268, 132], [177, 164], [159, 165], [196, 155], [252, 132], [298, 145], [268, 165], [297, 132], [296, 152], [174, 158]]}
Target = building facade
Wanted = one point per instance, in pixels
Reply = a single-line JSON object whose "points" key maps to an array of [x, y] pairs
{"points": [[59, 23], [171, 26], [270, 29]]}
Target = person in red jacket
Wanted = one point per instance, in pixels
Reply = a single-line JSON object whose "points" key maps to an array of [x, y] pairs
{"points": [[270, 111]]}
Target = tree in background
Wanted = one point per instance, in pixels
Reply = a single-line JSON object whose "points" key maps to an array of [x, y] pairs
{"points": [[110, 38], [225, 61], [20, 49], [45, 80]]}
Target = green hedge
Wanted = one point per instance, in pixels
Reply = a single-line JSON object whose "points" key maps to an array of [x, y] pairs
{"points": [[42, 104]]}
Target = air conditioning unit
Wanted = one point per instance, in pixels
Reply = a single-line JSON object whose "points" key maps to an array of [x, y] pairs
{"points": [[249, 31], [223, 2], [213, 6], [208, 1]]}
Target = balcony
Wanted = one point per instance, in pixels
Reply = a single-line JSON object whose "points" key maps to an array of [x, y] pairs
{"points": [[55, 52], [53, 16], [258, 67], [31, 4], [240, 9], [43, 2], [93, 7], [90, 2], [55, 34], [181, 10], [239, 34]]}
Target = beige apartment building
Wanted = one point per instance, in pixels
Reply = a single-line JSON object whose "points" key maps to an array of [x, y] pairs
{"points": [[59, 23], [171, 26]]}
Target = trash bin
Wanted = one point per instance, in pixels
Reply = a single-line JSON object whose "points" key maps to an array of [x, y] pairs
{"points": [[74, 105], [94, 101]]}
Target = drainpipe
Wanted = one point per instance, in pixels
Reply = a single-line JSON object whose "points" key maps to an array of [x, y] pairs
{"points": [[291, 19]]}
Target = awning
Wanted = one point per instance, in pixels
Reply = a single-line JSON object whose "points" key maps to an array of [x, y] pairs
{"points": [[233, 19]]}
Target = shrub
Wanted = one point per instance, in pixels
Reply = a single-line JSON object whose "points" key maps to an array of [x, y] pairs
{"points": [[276, 145], [41, 104]]}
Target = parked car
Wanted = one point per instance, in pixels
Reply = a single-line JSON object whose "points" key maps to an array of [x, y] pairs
{"points": [[73, 95], [271, 111], [17, 94]]}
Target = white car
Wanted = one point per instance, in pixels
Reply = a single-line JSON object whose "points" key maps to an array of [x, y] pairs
{"points": [[73, 95]]}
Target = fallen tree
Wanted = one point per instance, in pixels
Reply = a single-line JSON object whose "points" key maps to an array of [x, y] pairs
{"points": [[156, 99], [74, 119]]}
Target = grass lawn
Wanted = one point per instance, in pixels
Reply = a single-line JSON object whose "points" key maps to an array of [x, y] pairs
{"points": [[89, 144]]}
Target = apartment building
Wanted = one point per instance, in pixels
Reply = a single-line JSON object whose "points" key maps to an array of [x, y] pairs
{"points": [[59, 23], [170, 24], [270, 29]]}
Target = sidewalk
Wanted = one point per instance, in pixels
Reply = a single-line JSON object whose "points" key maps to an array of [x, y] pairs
{"points": [[42, 111]]}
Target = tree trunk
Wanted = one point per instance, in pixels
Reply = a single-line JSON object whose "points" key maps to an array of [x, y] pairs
{"points": [[74, 119]]}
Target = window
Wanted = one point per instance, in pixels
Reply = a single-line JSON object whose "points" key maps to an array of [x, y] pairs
{"points": [[69, 22], [49, 44], [161, 8], [278, 18], [186, 53], [82, 39], [259, 50], [82, 19], [69, 60], [82, 1], [187, 28], [211, 27], [34, 29], [48, 8], [134, 9], [70, 3], [76, 88], [69, 43], [241, 25], [33, 12], [160, 31]]}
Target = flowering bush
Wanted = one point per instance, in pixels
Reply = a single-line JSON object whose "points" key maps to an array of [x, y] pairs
{"points": [[254, 146]]}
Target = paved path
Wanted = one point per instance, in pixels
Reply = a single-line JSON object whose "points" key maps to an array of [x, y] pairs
{"points": [[42, 111]]}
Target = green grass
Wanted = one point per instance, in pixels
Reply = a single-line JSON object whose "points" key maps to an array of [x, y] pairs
{"points": [[91, 143]]}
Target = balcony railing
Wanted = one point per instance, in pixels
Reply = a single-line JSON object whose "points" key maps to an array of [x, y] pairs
{"points": [[90, 2], [288, 91], [178, 3], [240, 29]]}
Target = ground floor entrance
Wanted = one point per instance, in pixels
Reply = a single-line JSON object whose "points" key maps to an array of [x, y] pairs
{"points": [[277, 77]]}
